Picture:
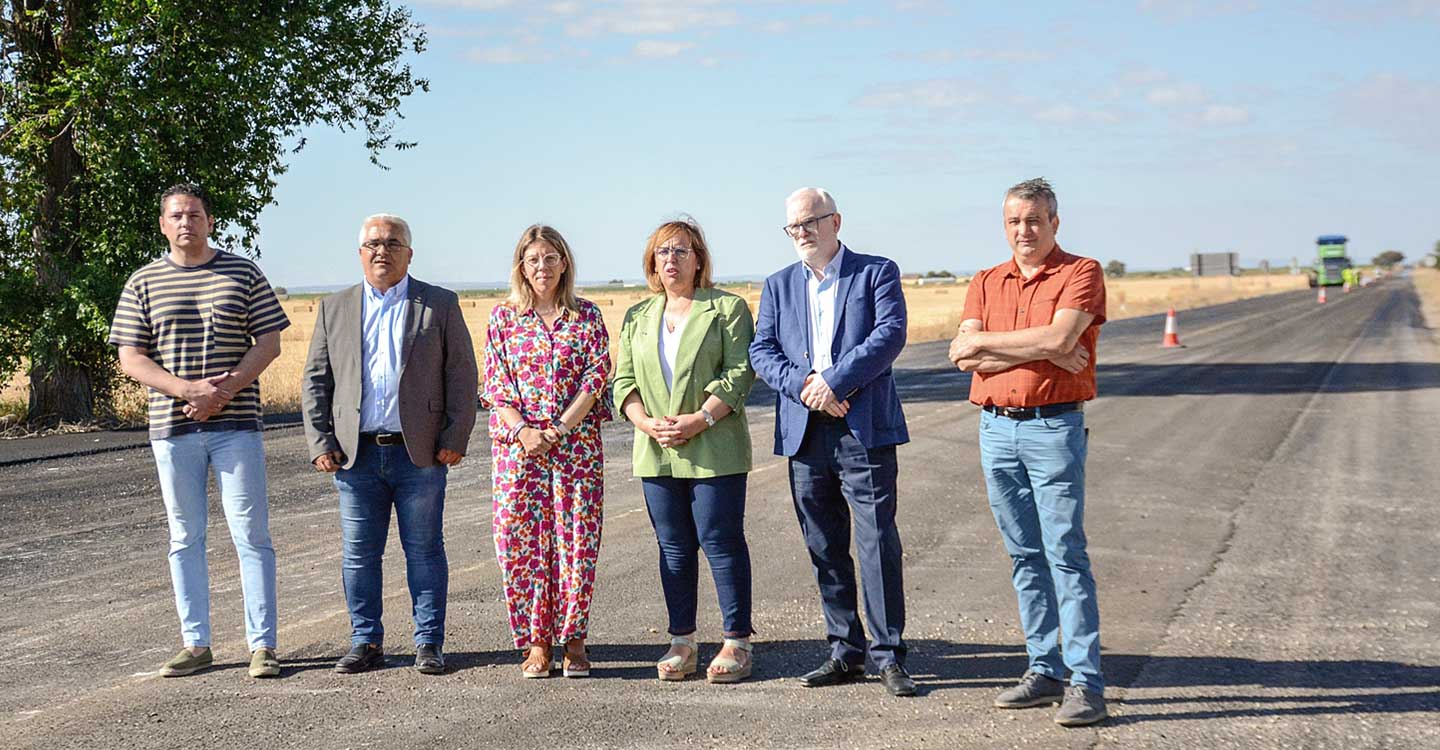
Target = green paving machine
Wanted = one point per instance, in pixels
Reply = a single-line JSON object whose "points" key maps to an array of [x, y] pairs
{"points": [[1331, 262]]}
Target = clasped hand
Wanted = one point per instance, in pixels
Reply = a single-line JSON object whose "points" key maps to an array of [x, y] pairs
{"points": [[538, 442], [206, 397], [675, 431], [817, 395]]}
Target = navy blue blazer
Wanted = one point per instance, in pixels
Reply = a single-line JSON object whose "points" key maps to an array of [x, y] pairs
{"points": [[869, 335]]}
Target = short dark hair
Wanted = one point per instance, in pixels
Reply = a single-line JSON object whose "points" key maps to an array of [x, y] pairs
{"points": [[190, 189], [1036, 190]]}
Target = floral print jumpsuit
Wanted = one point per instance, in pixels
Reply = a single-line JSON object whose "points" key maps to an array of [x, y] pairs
{"points": [[548, 508]]}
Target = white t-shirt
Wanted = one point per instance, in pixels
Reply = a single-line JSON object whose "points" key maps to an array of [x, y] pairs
{"points": [[670, 349]]}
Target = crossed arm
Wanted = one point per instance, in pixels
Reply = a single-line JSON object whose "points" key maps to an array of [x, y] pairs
{"points": [[977, 350]]}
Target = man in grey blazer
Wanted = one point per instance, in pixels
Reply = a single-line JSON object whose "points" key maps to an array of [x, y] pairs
{"points": [[389, 399]]}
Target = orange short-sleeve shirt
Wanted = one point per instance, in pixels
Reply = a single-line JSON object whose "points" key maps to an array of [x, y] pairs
{"points": [[1004, 300]]}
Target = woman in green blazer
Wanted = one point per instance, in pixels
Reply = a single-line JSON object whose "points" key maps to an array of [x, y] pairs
{"points": [[682, 377]]}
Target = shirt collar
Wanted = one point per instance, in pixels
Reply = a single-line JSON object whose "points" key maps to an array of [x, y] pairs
{"points": [[395, 294], [831, 269], [1047, 266]]}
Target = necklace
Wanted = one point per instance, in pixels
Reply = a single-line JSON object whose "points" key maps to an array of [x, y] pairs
{"points": [[674, 318]]}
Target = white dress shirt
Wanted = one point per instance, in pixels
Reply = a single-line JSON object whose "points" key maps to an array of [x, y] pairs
{"points": [[382, 338], [824, 311]]}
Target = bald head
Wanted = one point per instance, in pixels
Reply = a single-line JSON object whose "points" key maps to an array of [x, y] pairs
{"points": [[813, 224], [818, 198]]}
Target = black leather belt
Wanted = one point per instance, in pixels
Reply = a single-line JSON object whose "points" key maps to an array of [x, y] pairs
{"points": [[382, 438], [1034, 412]]}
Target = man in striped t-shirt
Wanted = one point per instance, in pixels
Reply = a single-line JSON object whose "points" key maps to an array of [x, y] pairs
{"points": [[197, 327]]}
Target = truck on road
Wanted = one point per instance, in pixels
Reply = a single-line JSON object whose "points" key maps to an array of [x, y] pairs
{"points": [[1331, 262]]}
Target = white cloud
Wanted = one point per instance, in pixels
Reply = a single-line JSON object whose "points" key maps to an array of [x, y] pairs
{"points": [[937, 94], [469, 4], [646, 17], [1179, 94], [509, 54], [1065, 114], [1224, 114], [654, 49], [1403, 108]]}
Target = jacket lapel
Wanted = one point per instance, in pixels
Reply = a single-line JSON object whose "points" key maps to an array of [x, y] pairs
{"points": [[842, 292], [416, 309], [645, 349], [702, 311], [800, 293]]}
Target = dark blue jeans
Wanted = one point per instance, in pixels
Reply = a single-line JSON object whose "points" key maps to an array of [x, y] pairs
{"points": [[383, 477], [694, 514], [834, 478]]}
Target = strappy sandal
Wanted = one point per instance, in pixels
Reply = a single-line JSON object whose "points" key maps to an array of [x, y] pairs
{"points": [[675, 668], [576, 666], [537, 663], [734, 670]]}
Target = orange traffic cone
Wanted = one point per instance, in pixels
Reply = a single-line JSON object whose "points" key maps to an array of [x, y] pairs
{"points": [[1172, 336], [1321, 298]]}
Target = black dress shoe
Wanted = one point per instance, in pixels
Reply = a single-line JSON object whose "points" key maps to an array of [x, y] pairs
{"points": [[429, 659], [362, 658], [897, 681], [833, 672]]}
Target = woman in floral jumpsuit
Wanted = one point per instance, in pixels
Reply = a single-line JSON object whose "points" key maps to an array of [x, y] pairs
{"points": [[547, 363]]}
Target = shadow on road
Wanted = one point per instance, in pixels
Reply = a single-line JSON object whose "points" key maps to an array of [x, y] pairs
{"points": [[935, 384]]}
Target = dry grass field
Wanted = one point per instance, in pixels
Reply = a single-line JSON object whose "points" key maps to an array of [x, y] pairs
{"points": [[934, 311]]}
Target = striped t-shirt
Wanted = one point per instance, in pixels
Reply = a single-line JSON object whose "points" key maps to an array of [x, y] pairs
{"points": [[197, 322]]}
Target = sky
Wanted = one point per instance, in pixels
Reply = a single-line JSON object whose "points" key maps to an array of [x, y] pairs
{"points": [[1167, 127]]}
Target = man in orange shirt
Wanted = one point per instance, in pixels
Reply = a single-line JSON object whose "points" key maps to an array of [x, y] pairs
{"points": [[1028, 334]]}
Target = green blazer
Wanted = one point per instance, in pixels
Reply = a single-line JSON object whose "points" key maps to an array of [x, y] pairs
{"points": [[714, 358]]}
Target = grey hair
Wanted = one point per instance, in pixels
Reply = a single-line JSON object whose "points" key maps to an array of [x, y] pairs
{"points": [[1036, 190], [827, 201], [390, 219]]}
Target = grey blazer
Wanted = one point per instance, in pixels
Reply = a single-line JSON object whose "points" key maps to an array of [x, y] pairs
{"points": [[438, 376]]}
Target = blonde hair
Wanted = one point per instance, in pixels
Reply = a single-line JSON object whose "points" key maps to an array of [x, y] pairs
{"points": [[521, 294], [692, 233]]}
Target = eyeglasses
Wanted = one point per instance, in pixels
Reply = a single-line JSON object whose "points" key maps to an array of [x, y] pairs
{"points": [[678, 253], [547, 261], [375, 246], [808, 225]]}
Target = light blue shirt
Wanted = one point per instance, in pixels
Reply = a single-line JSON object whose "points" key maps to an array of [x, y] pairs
{"points": [[382, 339], [824, 310]]}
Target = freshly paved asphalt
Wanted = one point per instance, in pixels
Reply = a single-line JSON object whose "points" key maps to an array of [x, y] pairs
{"points": [[1262, 515]]}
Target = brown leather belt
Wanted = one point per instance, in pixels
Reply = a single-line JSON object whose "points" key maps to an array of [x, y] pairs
{"points": [[1034, 412], [382, 438]]}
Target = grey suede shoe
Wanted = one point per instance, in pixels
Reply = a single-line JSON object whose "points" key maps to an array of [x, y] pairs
{"points": [[1082, 706], [1034, 689], [186, 663]]}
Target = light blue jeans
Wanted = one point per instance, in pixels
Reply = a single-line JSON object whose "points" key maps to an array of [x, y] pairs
{"points": [[1035, 472], [238, 458]]}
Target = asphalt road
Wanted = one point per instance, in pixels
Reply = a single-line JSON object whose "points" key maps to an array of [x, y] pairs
{"points": [[1262, 520]]}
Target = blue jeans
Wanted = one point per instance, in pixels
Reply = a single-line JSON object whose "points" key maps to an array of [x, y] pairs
{"points": [[694, 514], [384, 476], [1035, 472], [834, 478], [184, 463]]}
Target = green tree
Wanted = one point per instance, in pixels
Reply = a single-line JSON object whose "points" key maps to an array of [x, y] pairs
{"points": [[104, 103], [1114, 269], [1388, 258]]}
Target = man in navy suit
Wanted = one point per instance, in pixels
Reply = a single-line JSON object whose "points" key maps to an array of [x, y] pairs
{"points": [[829, 328]]}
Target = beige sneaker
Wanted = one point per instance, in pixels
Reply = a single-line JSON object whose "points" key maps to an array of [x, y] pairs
{"points": [[264, 664], [185, 663]]}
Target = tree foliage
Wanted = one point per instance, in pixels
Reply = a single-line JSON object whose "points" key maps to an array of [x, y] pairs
{"points": [[1114, 269], [104, 103], [1388, 258]]}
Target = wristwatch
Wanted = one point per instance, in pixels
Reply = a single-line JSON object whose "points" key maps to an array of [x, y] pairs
{"points": [[707, 416]]}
